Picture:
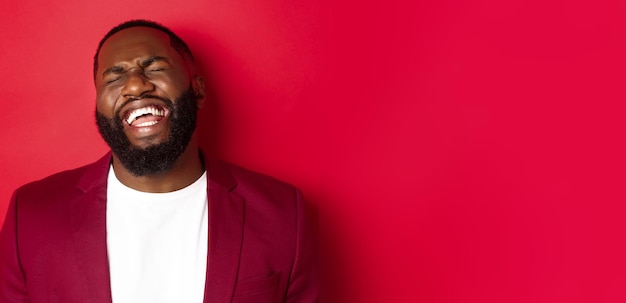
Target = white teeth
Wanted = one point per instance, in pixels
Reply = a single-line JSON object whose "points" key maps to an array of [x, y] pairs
{"points": [[144, 111], [148, 123]]}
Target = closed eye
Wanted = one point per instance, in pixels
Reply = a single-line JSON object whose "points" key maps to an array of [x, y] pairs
{"points": [[155, 63], [113, 71], [112, 80]]}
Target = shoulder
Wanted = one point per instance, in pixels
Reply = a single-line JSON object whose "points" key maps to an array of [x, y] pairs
{"points": [[257, 188], [231, 175], [59, 180], [251, 179], [64, 183]]}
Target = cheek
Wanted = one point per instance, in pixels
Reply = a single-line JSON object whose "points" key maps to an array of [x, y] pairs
{"points": [[172, 85], [105, 104], [107, 98]]}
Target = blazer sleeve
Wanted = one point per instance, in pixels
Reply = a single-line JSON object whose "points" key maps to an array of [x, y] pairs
{"points": [[12, 278], [304, 278]]}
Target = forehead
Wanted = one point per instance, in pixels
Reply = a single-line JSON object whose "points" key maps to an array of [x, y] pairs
{"points": [[133, 44]]}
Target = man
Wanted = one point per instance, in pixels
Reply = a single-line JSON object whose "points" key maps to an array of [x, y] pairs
{"points": [[154, 220]]}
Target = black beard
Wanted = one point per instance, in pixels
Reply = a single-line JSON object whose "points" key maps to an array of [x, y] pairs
{"points": [[157, 158]]}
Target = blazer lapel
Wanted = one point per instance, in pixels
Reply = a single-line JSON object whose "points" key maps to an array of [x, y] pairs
{"points": [[226, 219], [88, 219]]}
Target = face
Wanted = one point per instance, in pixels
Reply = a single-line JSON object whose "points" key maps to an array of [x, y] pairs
{"points": [[147, 97]]}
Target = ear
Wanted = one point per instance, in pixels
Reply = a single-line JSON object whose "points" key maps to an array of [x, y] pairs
{"points": [[198, 88]]}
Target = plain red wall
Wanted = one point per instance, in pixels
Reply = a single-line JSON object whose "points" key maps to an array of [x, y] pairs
{"points": [[458, 151]]}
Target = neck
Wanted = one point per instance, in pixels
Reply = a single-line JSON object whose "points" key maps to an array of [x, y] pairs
{"points": [[186, 170]]}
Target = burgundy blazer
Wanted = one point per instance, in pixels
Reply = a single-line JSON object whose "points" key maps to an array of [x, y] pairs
{"points": [[261, 241]]}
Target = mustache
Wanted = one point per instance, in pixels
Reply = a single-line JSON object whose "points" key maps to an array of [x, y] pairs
{"points": [[148, 96]]}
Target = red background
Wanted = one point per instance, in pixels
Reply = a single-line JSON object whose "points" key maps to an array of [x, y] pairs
{"points": [[458, 151]]}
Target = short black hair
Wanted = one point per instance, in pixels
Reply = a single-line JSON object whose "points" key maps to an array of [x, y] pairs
{"points": [[176, 42]]}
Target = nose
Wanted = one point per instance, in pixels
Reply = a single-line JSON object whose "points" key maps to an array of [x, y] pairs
{"points": [[137, 84]]}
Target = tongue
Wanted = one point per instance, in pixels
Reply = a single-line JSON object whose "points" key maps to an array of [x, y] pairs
{"points": [[146, 120]]}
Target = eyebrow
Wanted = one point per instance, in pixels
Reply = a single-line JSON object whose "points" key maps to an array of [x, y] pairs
{"points": [[116, 69]]}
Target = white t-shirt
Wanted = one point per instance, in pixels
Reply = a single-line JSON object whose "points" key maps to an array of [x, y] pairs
{"points": [[157, 243]]}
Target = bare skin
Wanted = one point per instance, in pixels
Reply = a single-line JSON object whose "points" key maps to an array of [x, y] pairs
{"points": [[140, 61]]}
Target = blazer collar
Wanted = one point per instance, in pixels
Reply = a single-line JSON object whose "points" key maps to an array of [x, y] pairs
{"points": [[226, 220], [88, 221], [96, 174]]}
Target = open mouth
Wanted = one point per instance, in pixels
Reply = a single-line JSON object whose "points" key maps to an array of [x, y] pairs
{"points": [[145, 116]]}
